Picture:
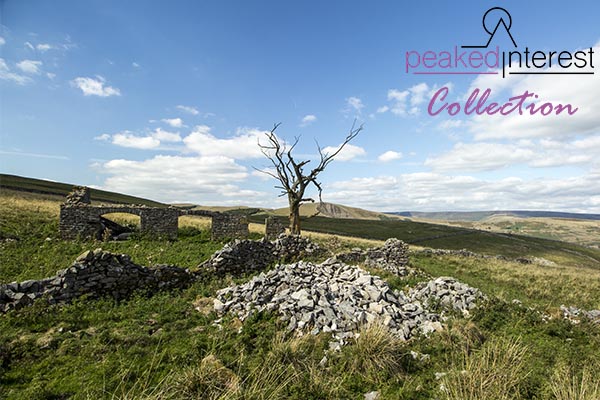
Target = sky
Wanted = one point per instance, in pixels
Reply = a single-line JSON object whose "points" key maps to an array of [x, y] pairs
{"points": [[168, 99]]}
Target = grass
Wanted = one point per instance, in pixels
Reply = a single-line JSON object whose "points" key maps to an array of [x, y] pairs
{"points": [[455, 238], [60, 190], [579, 231], [533, 284], [496, 371], [167, 347]]}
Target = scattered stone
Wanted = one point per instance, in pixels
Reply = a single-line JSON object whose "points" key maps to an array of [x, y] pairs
{"points": [[448, 293], [574, 314], [339, 298], [374, 395], [420, 356]]}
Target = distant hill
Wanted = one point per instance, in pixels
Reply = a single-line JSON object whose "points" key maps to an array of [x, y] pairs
{"points": [[23, 184], [480, 215], [331, 210]]}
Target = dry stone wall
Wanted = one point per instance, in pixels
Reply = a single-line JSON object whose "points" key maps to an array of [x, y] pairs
{"points": [[273, 228], [99, 273], [229, 226], [247, 256], [392, 257], [95, 273]]}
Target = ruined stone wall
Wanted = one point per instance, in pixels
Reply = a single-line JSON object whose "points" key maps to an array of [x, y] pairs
{"points": [[246, 256], [392, 257], [78, 218], [159, 221], [229, 226], [273, 228], [81, 220], [79, 195], [95, 274]]}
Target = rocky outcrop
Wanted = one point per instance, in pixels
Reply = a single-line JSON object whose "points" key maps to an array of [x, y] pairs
{"points": [[95, 273]]}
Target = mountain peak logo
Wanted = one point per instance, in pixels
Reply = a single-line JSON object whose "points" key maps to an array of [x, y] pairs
{"points": [[494, 19], [474, 61], [483, 60]]}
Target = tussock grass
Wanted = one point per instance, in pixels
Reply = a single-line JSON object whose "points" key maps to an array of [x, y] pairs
{"points": [[494, 372], [376, 354], [567, 384]]}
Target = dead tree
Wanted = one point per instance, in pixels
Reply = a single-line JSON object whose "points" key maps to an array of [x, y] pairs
{"points": [[290, 173]]}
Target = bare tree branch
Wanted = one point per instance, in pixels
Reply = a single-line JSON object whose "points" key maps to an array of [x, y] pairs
{"points": [[291, 175]]}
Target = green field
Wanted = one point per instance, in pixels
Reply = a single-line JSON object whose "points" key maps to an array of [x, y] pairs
{"points": [[167, 347]]}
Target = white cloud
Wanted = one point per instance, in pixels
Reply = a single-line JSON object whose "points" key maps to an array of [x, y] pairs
{"points": [[578, 90], [436, 192], [151, 141], [479, 157], [127, 139], [7, 75], [408, 102], [451, 124], [35, 155], [135, 65], [95, 87], [348, 153], [2, 41], [486, 156], [308, 119], [418, 93], [165, 136], [354, 104], [389, 156], [43, 47], [29, 46], [174, 122], [177, 178], [243, 145], [30, 66], [188, 109], [103, 137]]}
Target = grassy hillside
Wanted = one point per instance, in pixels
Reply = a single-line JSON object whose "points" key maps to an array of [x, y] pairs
{"points": [[581, 231], [451, 237], [168, 347], [19, 183], [480, 215], [333, 211]]}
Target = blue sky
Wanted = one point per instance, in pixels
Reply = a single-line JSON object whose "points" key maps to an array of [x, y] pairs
{"points": [[167, 99]]}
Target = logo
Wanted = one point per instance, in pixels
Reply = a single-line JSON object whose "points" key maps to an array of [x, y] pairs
{"points": [[487, 59]]}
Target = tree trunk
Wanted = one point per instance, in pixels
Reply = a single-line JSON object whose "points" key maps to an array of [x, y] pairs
{"points": [[294, 218]]}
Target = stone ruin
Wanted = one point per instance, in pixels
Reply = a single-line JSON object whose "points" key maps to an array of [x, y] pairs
{"points": [[100, 273], [95, 274], [273, 228], [79, 218]]}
